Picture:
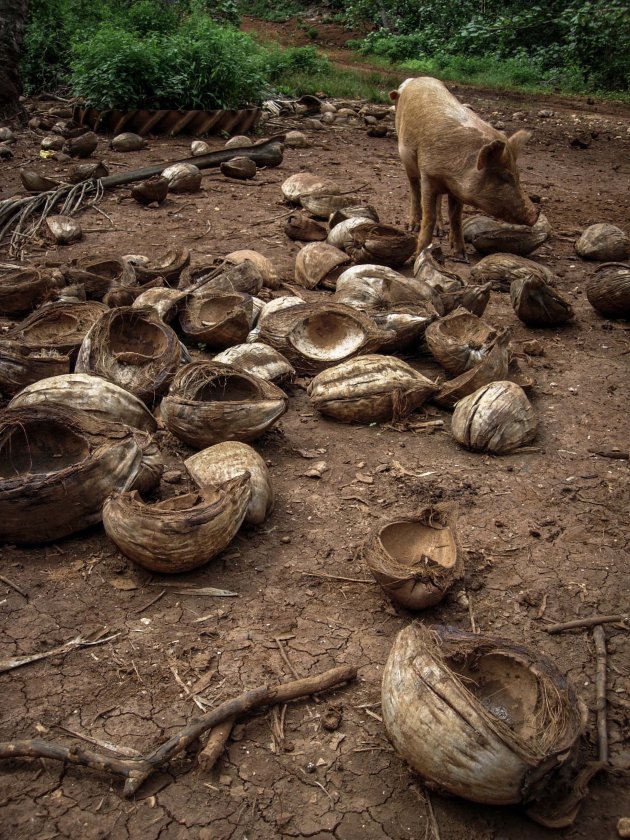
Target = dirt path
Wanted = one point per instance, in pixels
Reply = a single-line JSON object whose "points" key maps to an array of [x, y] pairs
{"points": [[545, 535]]}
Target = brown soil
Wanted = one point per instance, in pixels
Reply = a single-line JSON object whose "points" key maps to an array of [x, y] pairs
{"points": [[545, 534]]}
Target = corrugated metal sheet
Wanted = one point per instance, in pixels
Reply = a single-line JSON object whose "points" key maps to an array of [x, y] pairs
{"points": [[170, 122]]}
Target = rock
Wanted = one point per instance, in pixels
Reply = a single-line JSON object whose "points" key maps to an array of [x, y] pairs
{"points": [[172, 476], [296, 140], [623, 827], [519, 115], [238, 141], [533, 347], [545, 113]]}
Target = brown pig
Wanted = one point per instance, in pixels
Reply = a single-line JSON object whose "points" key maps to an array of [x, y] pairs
{"points": [[446, 148]]}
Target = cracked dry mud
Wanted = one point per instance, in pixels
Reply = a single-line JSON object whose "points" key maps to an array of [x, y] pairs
{"points": [[545, 535]]}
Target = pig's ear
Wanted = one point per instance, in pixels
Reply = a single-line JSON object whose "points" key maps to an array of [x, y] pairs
{"points": [[518, 140], [491, 154], [393, 95]]}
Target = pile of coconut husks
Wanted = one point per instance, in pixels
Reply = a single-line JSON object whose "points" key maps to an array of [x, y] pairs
{"points": [[101, 359]]}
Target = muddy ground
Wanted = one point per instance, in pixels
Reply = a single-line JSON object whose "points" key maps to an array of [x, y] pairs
{"points": [[545, 535]]}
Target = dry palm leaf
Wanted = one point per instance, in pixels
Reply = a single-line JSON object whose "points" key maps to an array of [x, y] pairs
{"points": [[58, 465], [459, 341], [498, 418], [416, 559], [608, 290]]}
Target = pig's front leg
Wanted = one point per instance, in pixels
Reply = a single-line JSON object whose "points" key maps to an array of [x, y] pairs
{"points": [[410, 162], [456, 235], [430, 198]]}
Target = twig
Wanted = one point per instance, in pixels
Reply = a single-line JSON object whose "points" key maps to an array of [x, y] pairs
{"points": [[14, 586], [215, 745], [137, 771], [592, 621], [273, 218], [287, 661], [599, 637], [432, 819], [127, 751], [150, 604], [334, 577], [611, 453], [471, 614], [17, 661]]}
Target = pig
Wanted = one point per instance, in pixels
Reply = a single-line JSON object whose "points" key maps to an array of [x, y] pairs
{"points": [[447, 149]]}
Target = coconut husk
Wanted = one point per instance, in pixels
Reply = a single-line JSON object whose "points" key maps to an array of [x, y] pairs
{"points": [[489, 237], [473, 298], [21, 366], [302, 228], [36, 183], [87, 171], [99, 273], [217, 319], [370, 287], [304, 183], [57, 467], [428, 267], [68, 128], [406, 323], [81, 146], [198, 148], [263, 265], [242, 168], [128, 142], [153, 190], [380, 244], [260, 360], [183, 178], [479, 716], [498, 418], [493, 367], [96, 396], [63, 230], [180, 533], [539, 305], [369, 389], [340, 236], [213, 277], [608, 290], [459, 341], [58, 326], [323, 204], [228, 460], [503, 269], [22, 289], [319, 263], [169, 266], [164, 302], [274, 305], [604, 242], [362, 211], [416, 560], [52, 143], [209, 403], [134, 349]]}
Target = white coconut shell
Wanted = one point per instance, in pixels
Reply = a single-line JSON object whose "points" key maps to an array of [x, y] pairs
{"points": [[163, 301], [262, 263], [305, 183], [183, 177], [318, 262], [260, 360], [498, 418]]}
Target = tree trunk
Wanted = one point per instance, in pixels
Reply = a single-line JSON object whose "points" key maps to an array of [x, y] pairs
{"points": [[12, 23]]}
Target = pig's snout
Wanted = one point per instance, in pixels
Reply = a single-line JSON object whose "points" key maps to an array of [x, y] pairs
{"points": [[531, 215]]}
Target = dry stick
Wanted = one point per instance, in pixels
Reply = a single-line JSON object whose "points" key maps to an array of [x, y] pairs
{"points": [[335, 577], [215, 745], [150, 603], [14, 586], [599, 637], [286, 659], [432, 818], [17, 661], [593, 621], [137, 771]]}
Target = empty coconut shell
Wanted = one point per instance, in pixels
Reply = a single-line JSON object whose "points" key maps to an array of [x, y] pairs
{"points": [[370, 389], [489, 237], [180, 533], [428, 268], [209, 402], [57, 467], [99, 273], [319, 263], [498, 418], [362, 211], [52, 142], [370, 287], [164, 302], [538, 304], [304, 183], [152, 190], [217, 319], [64, 230], [21, 366], [322, 204], [416, 559], [60, 326], [380, 244], [242, 168], [301, 227], [406, 324], [183, 178], [473, 298], [459, 341], [87, 172], [128, 142], [341, 235], [503, 269], [608, 290], [227, 460], [36, 183], [199, 148], [169, 266], [492, 368], [260, 360], [22, 289], [81, 146], [251, 272], [479, 716], [603, 242]]}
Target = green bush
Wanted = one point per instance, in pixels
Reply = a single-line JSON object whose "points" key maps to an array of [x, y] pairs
{"points": [[282, 64]]}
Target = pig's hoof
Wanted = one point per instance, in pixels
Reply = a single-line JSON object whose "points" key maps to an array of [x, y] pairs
{"points": [[413, 227], [461, 257]]}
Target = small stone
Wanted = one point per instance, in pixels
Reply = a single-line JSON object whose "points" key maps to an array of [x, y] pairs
{"points": [[238, 142], [224, 779], [580, 141], [310, 767], [331, 719], [533, 347], [499, 125], [172, 476], [623, 827], [285, 540]]}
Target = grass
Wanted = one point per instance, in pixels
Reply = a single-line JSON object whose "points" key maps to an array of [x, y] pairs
{"points": [[339, 83]]}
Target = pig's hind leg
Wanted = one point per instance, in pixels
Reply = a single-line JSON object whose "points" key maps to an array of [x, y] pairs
{"points": [[431, 200], [410, 162], [456, 235]]}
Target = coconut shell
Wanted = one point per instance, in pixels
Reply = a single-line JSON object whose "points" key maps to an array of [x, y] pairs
{"points": [[96, 396], [473, 298], [242, 168], [319, 263], [183, 178], [304, 183], [369, 389], [380, 244], [180, 533], [406, 323], [503, 269], [322, 204], [59, 327], [153, 190], [57, 467], [22, 289], [416, 560], [498, 418], [164, 302], [209, 403], [604, 242], [52, 143], [63, 230], [490, 237], [246, 272], [459, 341], [87, 172], [370, 287], [199, 148], [479, 716], [362, 211], [133, 349], [430, 270], [99, 273], [217, 319], [608, 290], [341, 235], [539, 305], [228, 460], [169, 266], [302, 228], [81, 146], [492, 368], [260, 360], [128, 142], [21, 366], [36, 183]]}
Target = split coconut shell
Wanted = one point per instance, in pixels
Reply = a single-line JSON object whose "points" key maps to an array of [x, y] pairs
{"points": [[498, 418], [22, 289], [503, 269], [87, 172], [608, 290], [99, 273], [241, 168], [459, 341], [603, 242], [180, 533], [260, 360], [21, 366], [128, 142], [537, 304], [81, 146], [169, 266], [381, 244], [406, 323], [305, 183], [488, 236], [59, 326], [302, 228], [428, 268], [319, 263], [63, 230], [473, 298], [492, 368], [34, 182], [164, 302], [217, 319], [369, 287], [417, 559], [153, 190]]}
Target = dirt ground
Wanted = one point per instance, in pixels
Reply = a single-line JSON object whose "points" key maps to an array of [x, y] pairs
{"points": [[545, 535]]}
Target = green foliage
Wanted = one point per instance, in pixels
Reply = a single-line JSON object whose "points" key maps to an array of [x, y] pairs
{"points": [[283, 64]]}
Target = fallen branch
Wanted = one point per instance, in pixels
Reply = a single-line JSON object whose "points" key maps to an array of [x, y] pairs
{"points": [[593, 621], [17, 661], [599, 637], [137, 771], [215, 745], [13, 585]]}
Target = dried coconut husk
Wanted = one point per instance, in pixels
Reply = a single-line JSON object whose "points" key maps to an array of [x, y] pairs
{"points": [[608, 290], [57, 467], [153, 190], [489, 237], [228, 460], [362, 211], [209, 402], [417, 559], [128, 142], [603, 242], [302, 228], [260, 360], [322, 204], [21, 366], [164, 302], [101, 399], [22, 289], [52, 143], [246, 272], [539, 305], [381, 244], [315, 336], [319, 263], [242, 168], [63, 230], [58, 326], [81, 146], [180, 533], [473, 298], [428, 267], [304, 183], [497, 418], [341, 235], [169, 266], [34, 182], [369, 287], [87, 172], [406, 323], [275, 305], [459, 341], [217, 319], [481, 717], [183, 178], [132, 348], [503, 269], [99, 273], [493, 367], [369, 389]]}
